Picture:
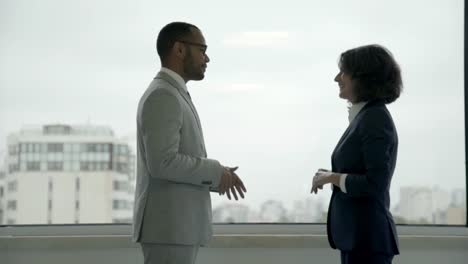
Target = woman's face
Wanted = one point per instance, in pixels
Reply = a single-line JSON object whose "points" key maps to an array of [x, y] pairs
{"points": [[346, 85]]}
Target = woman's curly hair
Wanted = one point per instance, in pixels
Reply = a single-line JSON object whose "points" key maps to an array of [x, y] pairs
{"points": [[375, 72]]}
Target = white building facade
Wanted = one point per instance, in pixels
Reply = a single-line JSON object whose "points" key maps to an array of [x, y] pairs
{"points": [[60, 174]]}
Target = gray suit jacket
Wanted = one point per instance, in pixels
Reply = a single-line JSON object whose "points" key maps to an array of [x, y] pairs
{"points": [[174, 177]]}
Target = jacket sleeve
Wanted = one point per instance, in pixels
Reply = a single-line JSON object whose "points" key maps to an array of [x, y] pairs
{"points": [[378, 150], [161, 125]]}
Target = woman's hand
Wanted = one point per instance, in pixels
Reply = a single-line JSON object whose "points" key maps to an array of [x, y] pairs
{"points": [[323, 177]]}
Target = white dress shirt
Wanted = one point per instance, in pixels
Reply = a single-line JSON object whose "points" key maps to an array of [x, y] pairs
{"points": [[175, 76]]}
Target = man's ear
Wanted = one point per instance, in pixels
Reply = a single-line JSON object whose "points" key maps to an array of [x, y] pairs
{"points": [[179, 49]]}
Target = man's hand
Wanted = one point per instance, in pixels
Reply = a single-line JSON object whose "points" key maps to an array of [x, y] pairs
{"points": [[226, 181], [231, 183]]}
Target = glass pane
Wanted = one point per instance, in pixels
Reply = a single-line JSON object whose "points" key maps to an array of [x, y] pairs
{"points": [[268, 103]]}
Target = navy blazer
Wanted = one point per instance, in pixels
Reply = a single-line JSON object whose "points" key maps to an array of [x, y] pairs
{"points": [[360, 220]]}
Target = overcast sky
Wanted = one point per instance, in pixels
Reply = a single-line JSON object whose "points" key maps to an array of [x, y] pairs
{"points": [[268, 103]]}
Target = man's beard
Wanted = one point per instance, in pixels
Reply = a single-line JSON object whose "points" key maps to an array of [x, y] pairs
{"points": [[191, 71]]}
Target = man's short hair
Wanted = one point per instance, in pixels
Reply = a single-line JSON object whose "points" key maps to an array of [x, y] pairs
{"points": [[169, 34]]}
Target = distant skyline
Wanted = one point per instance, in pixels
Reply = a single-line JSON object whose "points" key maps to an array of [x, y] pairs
{"points": [[443, 207], [268, 103]]}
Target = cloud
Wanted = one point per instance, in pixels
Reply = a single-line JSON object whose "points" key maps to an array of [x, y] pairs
{"points": [[258, 39]]}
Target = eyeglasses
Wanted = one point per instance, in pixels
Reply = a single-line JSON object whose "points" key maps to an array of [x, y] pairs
{"points": [[193, 43]]}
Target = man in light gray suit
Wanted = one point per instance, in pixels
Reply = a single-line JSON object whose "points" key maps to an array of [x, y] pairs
{"points": [[172, 213]]}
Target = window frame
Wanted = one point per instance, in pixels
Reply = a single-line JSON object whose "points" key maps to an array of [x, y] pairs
{"points": [[110, 229], [465, 63]]}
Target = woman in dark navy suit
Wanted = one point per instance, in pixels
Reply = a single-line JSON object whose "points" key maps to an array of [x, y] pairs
{"points": [[359, 222]]}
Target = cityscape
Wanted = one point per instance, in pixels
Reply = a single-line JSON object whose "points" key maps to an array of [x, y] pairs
{"points": [[64, 174], [418, 205]]}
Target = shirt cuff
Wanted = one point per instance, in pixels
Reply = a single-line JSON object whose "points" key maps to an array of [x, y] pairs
{"points": [[343, 182]]}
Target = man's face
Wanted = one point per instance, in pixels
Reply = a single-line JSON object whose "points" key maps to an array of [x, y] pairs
{"points": [[196, 59]]}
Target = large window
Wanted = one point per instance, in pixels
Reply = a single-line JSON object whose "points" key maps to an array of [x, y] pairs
{"points": [[268, 103]]}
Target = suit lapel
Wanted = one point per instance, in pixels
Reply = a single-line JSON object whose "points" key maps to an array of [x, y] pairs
{"points": [[353, 123], [345, 134], [188, 100], [182, 92]]}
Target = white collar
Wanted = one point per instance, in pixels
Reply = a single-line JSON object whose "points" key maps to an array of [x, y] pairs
{"points": [[354, 109], [175, 76]]}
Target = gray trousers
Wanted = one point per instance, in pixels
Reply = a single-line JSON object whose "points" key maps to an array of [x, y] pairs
{"points": [[169, 253]]}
